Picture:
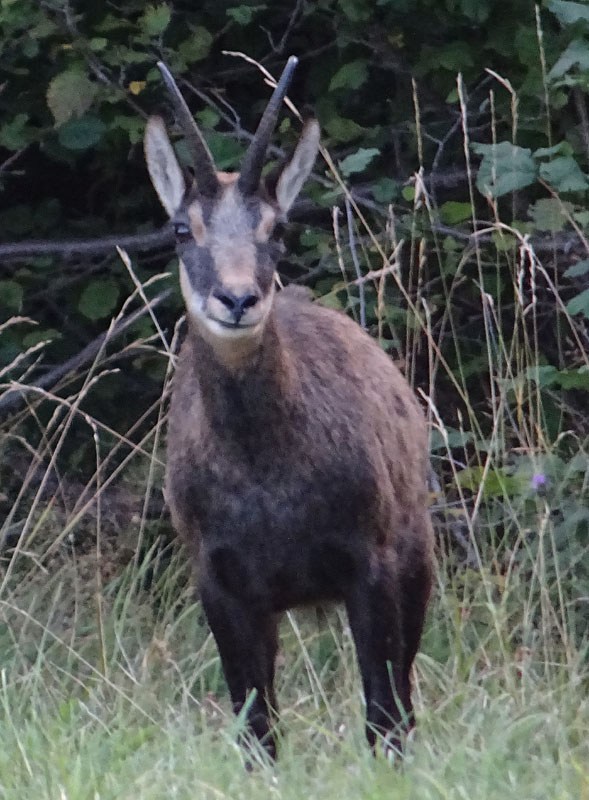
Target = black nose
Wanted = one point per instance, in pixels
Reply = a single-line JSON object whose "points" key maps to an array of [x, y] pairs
{"points": [[237, 305]]}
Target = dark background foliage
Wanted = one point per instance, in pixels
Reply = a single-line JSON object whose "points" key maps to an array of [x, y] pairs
{"points": [[79, 80]]}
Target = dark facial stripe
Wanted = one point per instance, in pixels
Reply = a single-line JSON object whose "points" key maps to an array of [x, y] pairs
{"points": [[199, 268]]}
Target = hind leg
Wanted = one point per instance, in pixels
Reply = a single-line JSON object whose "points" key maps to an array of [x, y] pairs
{"points": [[415, 591], [376, 621]]}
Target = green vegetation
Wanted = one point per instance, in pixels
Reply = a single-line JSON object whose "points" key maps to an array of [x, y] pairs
{"points": [[472, 273], [118, 693]]}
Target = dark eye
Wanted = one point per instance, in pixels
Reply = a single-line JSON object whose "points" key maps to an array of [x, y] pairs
{"points": [[182, 232], [278, 231]]}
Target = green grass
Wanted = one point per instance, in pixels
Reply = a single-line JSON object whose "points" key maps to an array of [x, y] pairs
{"points": [[131, 702]]}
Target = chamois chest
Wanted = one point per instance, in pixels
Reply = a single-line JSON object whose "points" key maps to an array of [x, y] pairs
{"points": [[264, 466], [265, 488]]}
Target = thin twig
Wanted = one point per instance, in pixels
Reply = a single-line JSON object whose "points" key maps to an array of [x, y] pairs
{"points": [[12, 158], [352, 243], [279, 48]]}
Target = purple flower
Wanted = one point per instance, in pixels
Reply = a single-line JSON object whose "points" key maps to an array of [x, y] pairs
{"points": [[538, 481]]}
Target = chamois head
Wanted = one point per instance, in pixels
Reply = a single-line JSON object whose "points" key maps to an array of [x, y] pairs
{"points": [[224, 222]]}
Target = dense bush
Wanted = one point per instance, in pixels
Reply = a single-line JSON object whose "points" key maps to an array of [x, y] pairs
{"points": [[483, 179], [80, 80]]}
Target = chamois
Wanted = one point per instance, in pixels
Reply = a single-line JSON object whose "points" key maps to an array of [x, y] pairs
{"points": [[297, 453]]}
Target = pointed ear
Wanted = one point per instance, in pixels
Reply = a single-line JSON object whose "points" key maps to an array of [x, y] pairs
{"points": [[163, 167], [297, 170]]}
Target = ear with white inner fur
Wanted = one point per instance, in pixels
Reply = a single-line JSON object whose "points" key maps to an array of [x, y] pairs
{"points": [[296, 172], [163, 167]]}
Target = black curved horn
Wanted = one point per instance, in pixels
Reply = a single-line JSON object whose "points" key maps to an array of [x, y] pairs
{"points": [[200, 155], [253, 162]]}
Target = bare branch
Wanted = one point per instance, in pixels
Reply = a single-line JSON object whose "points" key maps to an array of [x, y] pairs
{"points": [[72, 248], [5, 166]]}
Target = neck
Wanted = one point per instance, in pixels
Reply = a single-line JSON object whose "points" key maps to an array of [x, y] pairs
{"points": [[245, 389], [232, 357]]}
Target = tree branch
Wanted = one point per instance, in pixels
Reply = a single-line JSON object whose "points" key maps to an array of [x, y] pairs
{"points": [[71, 248]]}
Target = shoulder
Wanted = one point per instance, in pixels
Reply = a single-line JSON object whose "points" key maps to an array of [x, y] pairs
{"points": [[297, 315], [295, 305], [321, 335], [293, 294]]}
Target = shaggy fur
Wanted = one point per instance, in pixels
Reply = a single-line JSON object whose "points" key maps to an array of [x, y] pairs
{"points": [[298, 478], [297, 453]]}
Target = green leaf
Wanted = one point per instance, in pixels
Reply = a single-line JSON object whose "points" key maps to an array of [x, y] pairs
{"points": [[11, 295], [456, 438], [350, 76], [355, 10], [30, 48], [576, 55], [504, 242], [43, 28], [243, 15], [155, 19], [579, 462], [132, 124], [497, 483], [574, 378], [112, 23], [312, 239], [98, 43], [452, 212], [98, 299], [581, 216], [70, 94], [578, 269], [476, 10], [331, 300], [82, 133], [15, 134], [384, 190], [548, 215], [44, 335], [564, 175], [358, 161], [543, 375], [455, 56], [560, 149], [505, 168], [197, 46], [568, 13], [207, 118], [227, 152], [579, 304], [343, 130]]}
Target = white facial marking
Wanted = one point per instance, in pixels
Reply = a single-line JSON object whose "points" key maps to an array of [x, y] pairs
{"points": [[266, 224], [197, 225], [199, 310], [231, 243]]}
